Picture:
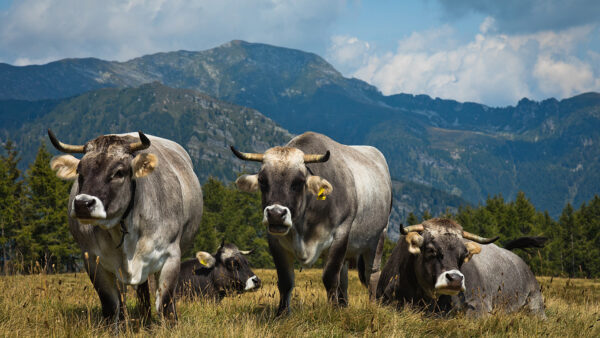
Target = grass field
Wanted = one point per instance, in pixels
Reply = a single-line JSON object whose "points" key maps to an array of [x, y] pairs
{"points": [[66, 305]]}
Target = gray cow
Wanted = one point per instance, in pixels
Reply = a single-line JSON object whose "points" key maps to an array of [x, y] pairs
{"points": [[216, 276], [134, 206], [339, 206], [443, 268]]}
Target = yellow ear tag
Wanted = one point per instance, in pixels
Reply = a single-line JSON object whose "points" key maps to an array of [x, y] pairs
{"points": [[203, 262], [322, 195]]}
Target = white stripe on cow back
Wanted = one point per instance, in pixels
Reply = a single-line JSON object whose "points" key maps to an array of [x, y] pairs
{"points": [[442, 281]]}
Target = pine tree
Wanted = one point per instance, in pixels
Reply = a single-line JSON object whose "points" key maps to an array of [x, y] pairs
{"points": [[10, 202], [412, 219], [44, 236]]}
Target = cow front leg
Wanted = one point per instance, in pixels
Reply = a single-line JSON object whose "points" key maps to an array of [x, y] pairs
{"points": [[165, 290], [105, 284], [143, 295], [284, 263], [337, 293]]}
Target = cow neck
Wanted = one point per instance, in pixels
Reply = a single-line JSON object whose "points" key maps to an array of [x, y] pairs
{"points": [[125, 214]]}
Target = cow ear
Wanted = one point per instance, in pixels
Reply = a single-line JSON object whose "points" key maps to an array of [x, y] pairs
{"points": [[319, 186], [473, 249], [144, 164], [65, 167], [415, 241], [207, 260], [247, 183]]}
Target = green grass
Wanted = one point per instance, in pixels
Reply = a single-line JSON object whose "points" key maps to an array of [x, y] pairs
{"points": [[67, 305]]}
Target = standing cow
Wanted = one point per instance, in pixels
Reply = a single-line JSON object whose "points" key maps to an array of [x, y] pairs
{"points": [[438, 265], [135, 204], [339, 206]]}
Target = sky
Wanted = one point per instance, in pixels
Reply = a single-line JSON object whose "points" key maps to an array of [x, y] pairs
{"points": [[488, 51]]}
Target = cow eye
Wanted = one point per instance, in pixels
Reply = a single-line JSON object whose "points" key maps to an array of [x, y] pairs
{"points": [[118, 175], [297, 185], [264, 184]]}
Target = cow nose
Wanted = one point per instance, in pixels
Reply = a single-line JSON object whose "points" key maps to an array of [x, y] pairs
{"points": [[256, 281], [276, 215], [454, 277], [83, 206]]}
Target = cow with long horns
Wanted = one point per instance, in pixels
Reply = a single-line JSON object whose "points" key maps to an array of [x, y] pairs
{"points": [[438, 265], [319, 196], [134, 206]]}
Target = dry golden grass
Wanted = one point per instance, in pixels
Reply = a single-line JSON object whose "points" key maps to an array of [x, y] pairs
{"points": [[67, 305]]}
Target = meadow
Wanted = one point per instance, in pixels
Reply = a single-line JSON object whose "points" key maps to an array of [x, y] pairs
{"points": [[66, 305]]}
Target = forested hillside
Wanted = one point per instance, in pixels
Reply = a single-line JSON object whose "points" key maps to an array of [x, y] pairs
{"points": [[547, 149]]}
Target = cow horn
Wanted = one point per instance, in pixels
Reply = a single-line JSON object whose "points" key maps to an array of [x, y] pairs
{"points": [[411, 228], [313, 158], [246, 252], [143, 143], [479, 239], [65, 148], [247, 156]]}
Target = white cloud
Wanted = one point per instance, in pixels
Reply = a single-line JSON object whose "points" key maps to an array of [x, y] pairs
{"points": [[495, 69], [116, 29], [348, 51]]}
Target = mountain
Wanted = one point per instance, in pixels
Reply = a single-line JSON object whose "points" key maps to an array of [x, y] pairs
{"points": [[547, 149], [203, 125]]}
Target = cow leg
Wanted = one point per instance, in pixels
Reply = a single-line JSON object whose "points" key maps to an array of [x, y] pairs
{"points": [[343, 288], [284, 263], [332, 270], [165, 290], [373, 265], [143, 294], [105, 284]]}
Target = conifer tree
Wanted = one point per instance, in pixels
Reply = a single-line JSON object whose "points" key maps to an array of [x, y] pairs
{"points": [[44, 236], [10, 202]]}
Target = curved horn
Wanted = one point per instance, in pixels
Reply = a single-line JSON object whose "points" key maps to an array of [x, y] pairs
{"points": [[246, 252], [479, 239], [65, 148], [247, 156], [410, 228], [144, 143], [312, 158]]}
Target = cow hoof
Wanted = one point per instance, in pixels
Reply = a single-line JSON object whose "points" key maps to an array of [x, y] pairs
{"points": [[282, 312]]}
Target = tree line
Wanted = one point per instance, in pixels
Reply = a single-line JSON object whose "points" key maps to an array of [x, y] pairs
{"points": [[34, 234]]}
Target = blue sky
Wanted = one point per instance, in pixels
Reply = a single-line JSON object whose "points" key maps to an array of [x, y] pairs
{"points": [[488, 51]]}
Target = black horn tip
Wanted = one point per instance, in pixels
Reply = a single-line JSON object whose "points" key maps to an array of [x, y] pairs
{"points": [[145, 140], [53, 139], [237, 153], [493, 239], [326, 157], [402, 230]]}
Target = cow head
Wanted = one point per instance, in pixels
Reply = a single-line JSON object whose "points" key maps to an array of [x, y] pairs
{"points": [[438, 249], [105, 175], [231, 270], [285, 184]]}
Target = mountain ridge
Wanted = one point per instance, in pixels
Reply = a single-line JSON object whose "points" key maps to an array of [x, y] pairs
{"points": [[548, 148]]}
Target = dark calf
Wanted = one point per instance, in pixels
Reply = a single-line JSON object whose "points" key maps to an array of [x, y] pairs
{"points": [[215, 276]]}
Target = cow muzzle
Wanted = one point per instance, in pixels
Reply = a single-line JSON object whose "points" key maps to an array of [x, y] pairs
{"points": [[88, 208], [278, 219], [450, 283], [252, 284]]}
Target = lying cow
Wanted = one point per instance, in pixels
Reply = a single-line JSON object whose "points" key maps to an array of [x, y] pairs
{"points": [[215, 276], [134, 205], [339, 206], [440, 266]]}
